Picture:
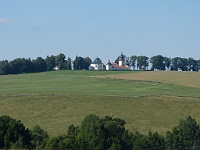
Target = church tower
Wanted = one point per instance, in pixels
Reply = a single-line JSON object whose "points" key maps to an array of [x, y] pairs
{"points": [[108, 65], [121, 60]]}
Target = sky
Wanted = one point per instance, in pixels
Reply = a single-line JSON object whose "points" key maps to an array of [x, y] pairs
{"points": [[99, 28]]}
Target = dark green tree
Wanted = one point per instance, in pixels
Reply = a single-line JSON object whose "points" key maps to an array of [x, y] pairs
{"points": [[142, 62], [21, 65], [184, 136], [87, 62], [78, 63], [40, 64], [57, 143], [72, 130], [91, 135], [115, 134], [68, 141], [105, 133], [4, 67], [158, 62], [15, 66], [156, 141], [13, 134], [175, 64], [28, 66], [62, 142], [183, 64], [150, 141], [68, 63], [198, 65], [60, 61], [192, 64], [39, 137], [167, 61], [139, 141], [133, 61], [51, 62], [195, 66]]}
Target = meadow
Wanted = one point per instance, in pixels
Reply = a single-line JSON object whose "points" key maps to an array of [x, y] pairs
{"points": [[56, 99], [190, 79]]}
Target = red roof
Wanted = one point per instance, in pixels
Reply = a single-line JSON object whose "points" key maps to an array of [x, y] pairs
{"points": [[115, 65], [56, 67]]}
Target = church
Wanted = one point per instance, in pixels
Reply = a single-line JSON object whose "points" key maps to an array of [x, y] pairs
{"points": [[96, 65], [122, 64]]}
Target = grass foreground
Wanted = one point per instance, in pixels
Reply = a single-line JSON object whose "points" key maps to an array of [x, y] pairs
{"points": [[54, 100]]}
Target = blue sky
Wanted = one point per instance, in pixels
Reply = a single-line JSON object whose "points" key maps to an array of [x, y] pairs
{"points": [[103, 28]]}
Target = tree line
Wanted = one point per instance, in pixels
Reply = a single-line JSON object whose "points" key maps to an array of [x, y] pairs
{"points": [[23, 65], [106, 133], [158, 62]]}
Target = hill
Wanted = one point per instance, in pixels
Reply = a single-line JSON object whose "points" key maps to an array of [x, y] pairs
{"points": [[54, 100]]}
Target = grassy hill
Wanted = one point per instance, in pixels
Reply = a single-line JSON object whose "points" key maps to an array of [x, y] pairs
{"points": [[86, 83], [54, 100]]}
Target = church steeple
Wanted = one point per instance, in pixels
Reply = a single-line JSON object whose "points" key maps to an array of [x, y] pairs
{"points": [[121, 59]]}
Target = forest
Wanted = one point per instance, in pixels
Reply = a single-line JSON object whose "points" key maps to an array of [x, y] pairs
{"points": [[98, 133], [158, 62]]}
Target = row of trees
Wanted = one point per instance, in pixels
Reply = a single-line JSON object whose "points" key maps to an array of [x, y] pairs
{"points": [[22, 65], [98, 133], [159, 62]]}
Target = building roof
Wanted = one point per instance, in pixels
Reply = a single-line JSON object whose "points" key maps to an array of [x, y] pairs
{"points": [[56, 67], [121, 57], [109, 63], [97, 61], [115, 65]]}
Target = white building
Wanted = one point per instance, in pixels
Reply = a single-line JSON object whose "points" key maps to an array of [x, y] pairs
{"points": [[56, 68], [96, 65]]}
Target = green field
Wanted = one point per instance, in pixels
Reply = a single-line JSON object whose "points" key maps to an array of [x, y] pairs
{"points": [[54, 100]]}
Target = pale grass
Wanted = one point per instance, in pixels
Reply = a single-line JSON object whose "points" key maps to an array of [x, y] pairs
{"points": [[190, 79]]}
